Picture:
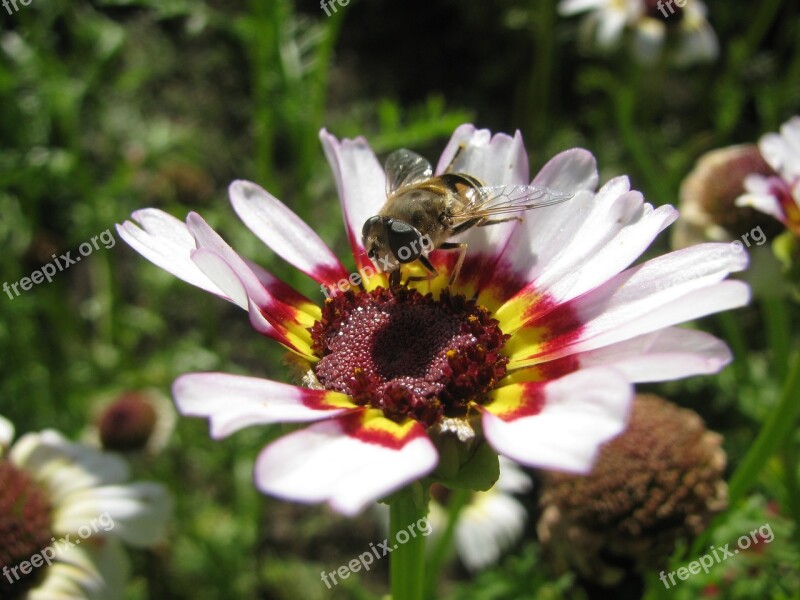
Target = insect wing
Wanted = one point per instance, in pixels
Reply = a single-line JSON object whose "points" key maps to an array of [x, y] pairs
{"points": [[504, 199], [404, 167]]}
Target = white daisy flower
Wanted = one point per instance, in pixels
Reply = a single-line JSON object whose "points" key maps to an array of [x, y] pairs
{"points": [[778, 196], [652, 23], [65, 511]]}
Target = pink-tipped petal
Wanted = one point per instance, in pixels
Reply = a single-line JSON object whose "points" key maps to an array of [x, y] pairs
{"points": [[283, 291], [208, 239], [569, 171], [241, 284], [597, 217], [222, 274], [285, 233], [166, 242], [668, 290], [581, 272], [361, 183], [559, 424], [348, 462], [6, 433], [283, 323], [233, 402], [600, 252], [495, 160], [542, 235], [671, 353]]}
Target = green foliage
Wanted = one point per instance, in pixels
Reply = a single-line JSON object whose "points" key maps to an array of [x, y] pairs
{"points": [[109, 106]]}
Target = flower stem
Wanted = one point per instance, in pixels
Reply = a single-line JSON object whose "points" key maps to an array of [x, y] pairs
{"points": [[774, 434], [441, 548], [407, 562], [778, 329]]}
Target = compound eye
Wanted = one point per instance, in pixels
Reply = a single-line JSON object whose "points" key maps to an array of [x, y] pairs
{"points": [[404, 241], [369, 224]]}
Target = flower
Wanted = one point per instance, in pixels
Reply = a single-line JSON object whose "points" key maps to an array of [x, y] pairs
{"points": [[652, 22], [65, 511], [778, 195], [132, 421], [658, 482], [532, 350], [708, 197], [490, 522]]}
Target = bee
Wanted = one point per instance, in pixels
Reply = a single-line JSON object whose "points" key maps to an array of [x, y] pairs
{"points": [[422, 212]]}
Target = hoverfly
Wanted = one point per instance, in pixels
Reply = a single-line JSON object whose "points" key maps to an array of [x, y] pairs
{"points": [[423, 211]]}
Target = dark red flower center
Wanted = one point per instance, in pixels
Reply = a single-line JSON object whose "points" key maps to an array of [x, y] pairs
{"points": [[409, 355], [24, 530], [127, 423]]}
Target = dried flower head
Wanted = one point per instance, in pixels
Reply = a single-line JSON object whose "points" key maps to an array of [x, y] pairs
{"points": [[708, 197], [658, 482]]}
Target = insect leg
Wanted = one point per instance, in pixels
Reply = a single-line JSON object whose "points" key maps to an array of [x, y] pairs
{"points": [[496, 221], [432, 272], [464, 226], [394, 279], [449, 168], [462, 253]]}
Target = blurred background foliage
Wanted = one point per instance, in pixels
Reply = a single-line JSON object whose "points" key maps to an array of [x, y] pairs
{"points": [[114, 105]]}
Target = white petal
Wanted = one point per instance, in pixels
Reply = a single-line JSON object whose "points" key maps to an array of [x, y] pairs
{"points": [[698, 44], [284, 232], [671, 353], [760, 197], [571, 7], [489, 525], [782, 152], [544, 235], [569, 171], [166, 242], [271, 318], [512, 480], [233, 402], [671, 289], [536, 240], [719, 297], [209, 239], [361, 183], [610, 27], [598, 253], [220, 272], [85, 573], [6, 434], [137, 513], [65, 467], [494, 159], [580, 411], [325, 463]]}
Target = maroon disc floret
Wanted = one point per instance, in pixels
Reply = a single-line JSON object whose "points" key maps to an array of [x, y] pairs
{"points": [[409, 355], [24, 529]]}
